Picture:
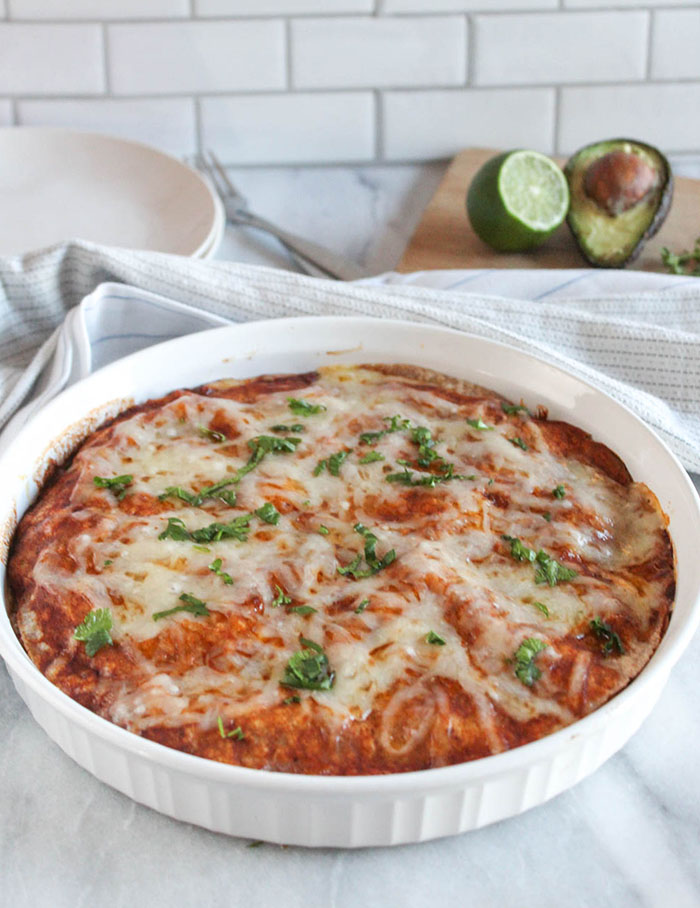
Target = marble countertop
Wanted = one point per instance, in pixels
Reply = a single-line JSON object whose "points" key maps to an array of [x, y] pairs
{"points": [[627, 836]]}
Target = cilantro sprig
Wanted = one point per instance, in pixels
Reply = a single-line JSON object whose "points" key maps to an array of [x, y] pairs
{"points": [[281, 598], [94, 630], [434, 639], [308, 668], [406, 478], [116, 484], [373, 562], [480, 425], [512, 409], [559, 492], [395, 424], [236, 732]]}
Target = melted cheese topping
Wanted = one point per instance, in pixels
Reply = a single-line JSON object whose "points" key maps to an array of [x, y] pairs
{"points": [[453, 574]]}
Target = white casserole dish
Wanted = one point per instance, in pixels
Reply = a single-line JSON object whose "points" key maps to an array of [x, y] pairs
{"points": [[366, 810]]}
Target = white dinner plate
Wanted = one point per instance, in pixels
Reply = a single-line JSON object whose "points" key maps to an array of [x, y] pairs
{"points": [[60, 184], [345, 810]]}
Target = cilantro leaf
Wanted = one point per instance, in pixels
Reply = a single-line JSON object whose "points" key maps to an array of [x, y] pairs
{"points": [[427, 479], [215, 568], [116, 484], [550, 571], [362, 606], [191, 604], [372, 457], [217, 490], [268, 513], [480, 425], [511, 409], [308, 668], [396, 424], [303, 407], [518, 443], [289, 700], [323, 530], [559, 492], [295, 429], [524, 659], [206, 432], [542, 608], [236, 732], [609, 638], [303, 609], [374, 564], [435, 639], [281, 598], [332, 463], [518, 550], [94, 630]]}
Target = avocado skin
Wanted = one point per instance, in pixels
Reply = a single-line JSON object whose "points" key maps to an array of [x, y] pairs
{"points": [[663, 196]]}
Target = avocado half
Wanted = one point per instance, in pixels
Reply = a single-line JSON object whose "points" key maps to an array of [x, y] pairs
{"points": [[621, 192]]}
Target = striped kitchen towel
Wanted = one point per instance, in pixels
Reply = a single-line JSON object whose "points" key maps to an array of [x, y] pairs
{"points": [[635, 336]]}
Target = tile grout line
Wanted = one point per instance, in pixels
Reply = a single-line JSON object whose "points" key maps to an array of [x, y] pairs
{"points": [[289, 74], [378, 126], [197, 101], [557, 125], [651, 24], [105, 62]]}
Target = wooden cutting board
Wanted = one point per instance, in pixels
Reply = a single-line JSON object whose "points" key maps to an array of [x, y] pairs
{"points": [[444, 238]]}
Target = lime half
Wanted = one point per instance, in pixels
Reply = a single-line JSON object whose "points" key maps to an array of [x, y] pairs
{"points": [[517, 200]]}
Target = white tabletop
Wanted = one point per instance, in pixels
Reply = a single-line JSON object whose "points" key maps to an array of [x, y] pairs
{"points": [[627, 836]]}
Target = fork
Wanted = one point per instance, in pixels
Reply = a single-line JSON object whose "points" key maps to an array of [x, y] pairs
{"points": [[312, 258]]}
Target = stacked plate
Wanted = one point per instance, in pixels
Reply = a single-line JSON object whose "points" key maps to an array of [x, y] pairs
{"points": [[59, 184]]}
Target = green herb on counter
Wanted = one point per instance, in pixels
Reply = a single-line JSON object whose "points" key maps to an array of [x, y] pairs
{"points": [[687, 263]]}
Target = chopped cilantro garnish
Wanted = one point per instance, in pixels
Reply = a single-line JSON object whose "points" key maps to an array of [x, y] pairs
{"points": [[237, 528], [94, 630], [295, 429], [396, 424], [332, 463], [524, 659], [215, 568], [362, 606], [374, 564], [547, 515], [542, 608], [426, 479], [206, 432], [324, 531], [281, 598], [108, 562], [479, 424], [559, 492], [116, 484], [435, 639], [191, 604], [201, 548], [519, 551], [268, 513], [303, 609], [236, 732], [518, 442], [511, 409], [308, 668], [287, 702], [303, 407], [550, 571], [217, 490], [609, 638], [372, 457]]}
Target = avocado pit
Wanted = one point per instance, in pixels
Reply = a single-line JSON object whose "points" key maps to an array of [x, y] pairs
{"points": [[618, 181]]}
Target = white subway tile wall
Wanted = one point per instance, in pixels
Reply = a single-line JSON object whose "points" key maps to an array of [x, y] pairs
{"points": [[339, 81], [378, 53], [675, 51]]}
